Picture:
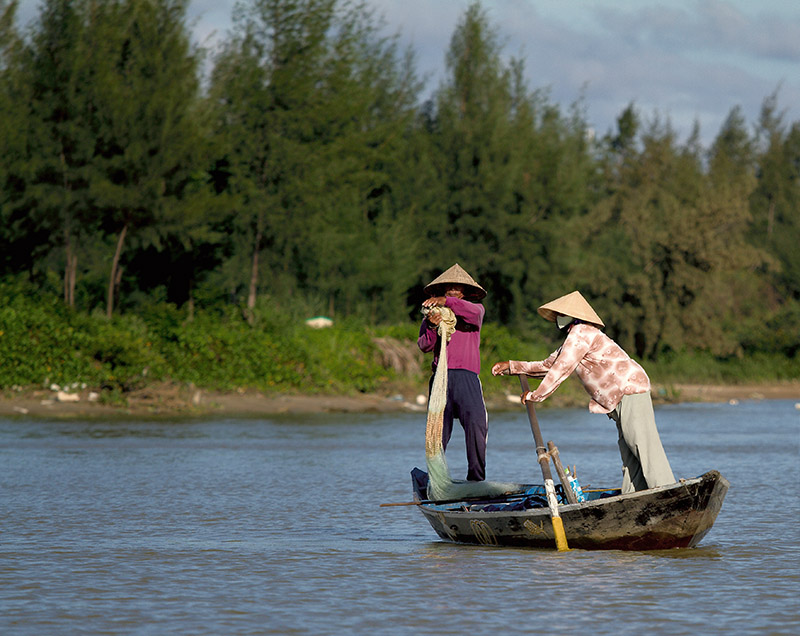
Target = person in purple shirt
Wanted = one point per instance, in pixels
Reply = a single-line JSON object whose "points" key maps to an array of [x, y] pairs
{"points": [[457, 290]]}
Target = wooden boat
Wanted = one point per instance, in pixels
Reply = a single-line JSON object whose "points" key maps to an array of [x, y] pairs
{"points": [[674, 516]]}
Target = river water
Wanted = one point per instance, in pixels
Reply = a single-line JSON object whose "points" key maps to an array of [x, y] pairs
{"points": [[274, 526]]}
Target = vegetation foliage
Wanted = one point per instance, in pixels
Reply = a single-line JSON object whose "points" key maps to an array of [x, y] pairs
{"points": [[163, 223]]}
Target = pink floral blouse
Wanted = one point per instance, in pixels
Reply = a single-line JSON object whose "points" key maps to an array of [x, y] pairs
{"points": [[606, 371]]}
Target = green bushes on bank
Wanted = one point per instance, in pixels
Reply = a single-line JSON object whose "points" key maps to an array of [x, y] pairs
{"points": [[42, 342]]}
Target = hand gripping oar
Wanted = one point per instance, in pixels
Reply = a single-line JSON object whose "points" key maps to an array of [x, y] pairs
{"points": [[544, 463]]}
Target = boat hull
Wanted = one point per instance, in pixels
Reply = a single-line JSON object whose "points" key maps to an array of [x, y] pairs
{"points": [[674, 516]]}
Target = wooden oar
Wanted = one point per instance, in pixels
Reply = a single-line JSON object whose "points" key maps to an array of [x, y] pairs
{"points": [[544, 462]]}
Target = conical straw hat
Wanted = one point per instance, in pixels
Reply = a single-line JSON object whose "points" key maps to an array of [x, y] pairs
{"points": [[573, 305], [457, 274]]}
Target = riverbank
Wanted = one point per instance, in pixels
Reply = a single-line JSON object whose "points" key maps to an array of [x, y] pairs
{"points": [[176, 401]]}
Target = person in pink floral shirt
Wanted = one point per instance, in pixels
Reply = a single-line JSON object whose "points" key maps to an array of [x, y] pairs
{"points": [[617, 385]]}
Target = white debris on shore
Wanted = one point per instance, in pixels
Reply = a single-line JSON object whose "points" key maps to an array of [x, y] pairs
{"points": [[69, 392], [319, 322]]}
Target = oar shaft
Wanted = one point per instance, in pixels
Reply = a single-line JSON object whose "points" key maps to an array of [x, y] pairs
{"points": [[541, 451], [544, 462]]}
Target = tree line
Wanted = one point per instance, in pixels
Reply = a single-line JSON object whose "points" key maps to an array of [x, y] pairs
{"points": [[300, 165]]}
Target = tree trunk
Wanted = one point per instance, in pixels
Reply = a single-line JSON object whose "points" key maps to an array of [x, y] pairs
{"points": [[190, 301], [69, 270], [770, 217], [71, 258], [71, 277], [251, 295], [112, 280]]}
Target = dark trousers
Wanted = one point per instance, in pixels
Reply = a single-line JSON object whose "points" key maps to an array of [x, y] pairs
{"points": [[465, 402]]}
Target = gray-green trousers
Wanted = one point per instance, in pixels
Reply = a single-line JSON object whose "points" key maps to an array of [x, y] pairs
{"points": [[644, 462]]}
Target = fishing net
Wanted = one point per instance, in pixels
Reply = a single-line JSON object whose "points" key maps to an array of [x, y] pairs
{"points": [[440, 484]]}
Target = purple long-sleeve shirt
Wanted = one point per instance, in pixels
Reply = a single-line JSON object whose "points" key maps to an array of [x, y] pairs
{"points": [[463, 350]]}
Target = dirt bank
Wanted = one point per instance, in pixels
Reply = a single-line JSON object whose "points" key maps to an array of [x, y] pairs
{"points": [[713, 393], [173, 401]]}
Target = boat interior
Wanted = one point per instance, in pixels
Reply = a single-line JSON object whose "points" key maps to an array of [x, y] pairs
{"points": [[528, 497]]}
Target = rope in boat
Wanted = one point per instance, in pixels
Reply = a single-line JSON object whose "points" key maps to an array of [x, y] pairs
{"points": [[440, 484]]}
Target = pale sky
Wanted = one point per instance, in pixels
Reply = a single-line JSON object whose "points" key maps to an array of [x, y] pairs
{"points": [[682, 60]]}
